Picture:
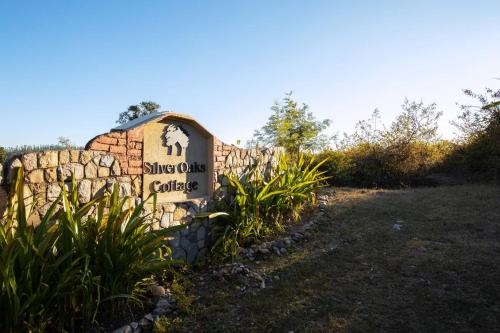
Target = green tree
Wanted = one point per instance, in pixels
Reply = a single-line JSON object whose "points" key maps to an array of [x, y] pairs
{"points": [[417, 123], [292, 127], [3, 155], [139, 110], [475, 119], [64, 142]]}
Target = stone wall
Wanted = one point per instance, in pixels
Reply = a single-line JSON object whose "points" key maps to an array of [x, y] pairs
{"points": [[117, 156]]}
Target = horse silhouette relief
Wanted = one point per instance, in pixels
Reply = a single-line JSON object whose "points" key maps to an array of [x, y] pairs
{"points": [[176, 136]]}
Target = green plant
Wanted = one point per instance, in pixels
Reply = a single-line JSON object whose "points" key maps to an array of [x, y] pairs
{"points": [[292, 127], [3, 155], [35, 278], [261, 202], [76, 260]]}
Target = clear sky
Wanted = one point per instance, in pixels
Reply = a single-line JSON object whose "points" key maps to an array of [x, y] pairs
{"points": [[68, 68]]}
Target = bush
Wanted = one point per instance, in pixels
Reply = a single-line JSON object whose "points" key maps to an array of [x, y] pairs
{"points": [[75, 261], [262, 202], [375, 165], [3, 154]]}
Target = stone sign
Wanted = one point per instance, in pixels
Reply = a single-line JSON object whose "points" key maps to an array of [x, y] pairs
{"points": [[176, 161]]}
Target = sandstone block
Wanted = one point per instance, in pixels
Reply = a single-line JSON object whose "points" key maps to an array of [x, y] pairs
{"points": [[53, 191], [48, 159], [98, 187], [29, 161], [84, 191], [35, 176], [115, 169], [34, 219], [125, 190], [103, 172], [166, 219], [68, 170], [16, 163], [91, 170], [74, 155], [179, 213], [106, 161], [86, 156], [39, 193], [137, 186], [64, 157], [51, 175]]}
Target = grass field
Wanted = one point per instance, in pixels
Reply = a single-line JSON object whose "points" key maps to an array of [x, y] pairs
{"points": [[440, 272]]}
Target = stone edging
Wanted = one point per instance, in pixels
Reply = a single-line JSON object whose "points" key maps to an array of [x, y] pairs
{"points": [[165, 305], [279, 246]]}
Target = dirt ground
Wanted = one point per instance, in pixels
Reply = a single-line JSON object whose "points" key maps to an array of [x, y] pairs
{"points": [[419, 260]]}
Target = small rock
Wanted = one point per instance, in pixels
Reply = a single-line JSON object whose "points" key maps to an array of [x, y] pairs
{"points": [[124, 329], [145, 323], [163, 303], [396, 226], [157, 290], [160, 311]]}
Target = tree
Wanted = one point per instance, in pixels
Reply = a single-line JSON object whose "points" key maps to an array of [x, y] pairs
{"points": [[475, 119], [64, 142], [136, 111], [417, 123], [292, 127], [3, 156]]}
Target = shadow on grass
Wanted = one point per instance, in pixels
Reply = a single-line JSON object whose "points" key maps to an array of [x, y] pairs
{"points": [[356, 273]]}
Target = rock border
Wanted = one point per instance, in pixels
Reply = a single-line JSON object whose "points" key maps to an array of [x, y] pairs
{"points": [[279, 246], [165, 305]]}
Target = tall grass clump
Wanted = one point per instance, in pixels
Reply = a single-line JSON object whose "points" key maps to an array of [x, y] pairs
{"points": [[80, 259], [261, 202]]}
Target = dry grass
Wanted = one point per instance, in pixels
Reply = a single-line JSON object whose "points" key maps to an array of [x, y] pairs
{"points": [[439, 273]]}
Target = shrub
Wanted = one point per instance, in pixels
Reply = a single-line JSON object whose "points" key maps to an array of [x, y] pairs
{"points": [[74, 261], [261, 202], [3, 154]]}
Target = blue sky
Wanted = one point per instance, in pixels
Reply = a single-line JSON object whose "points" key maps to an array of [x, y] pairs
{"points": [[68, 68]]}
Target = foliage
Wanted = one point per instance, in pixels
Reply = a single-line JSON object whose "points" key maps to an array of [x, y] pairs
{"points": [[3, 154], [417, 123], [261, 202], [136, 111], [293, 128], [478, 155], [375, 155], [64, 142], [474, 119], [18, 150], [75, 261]]}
